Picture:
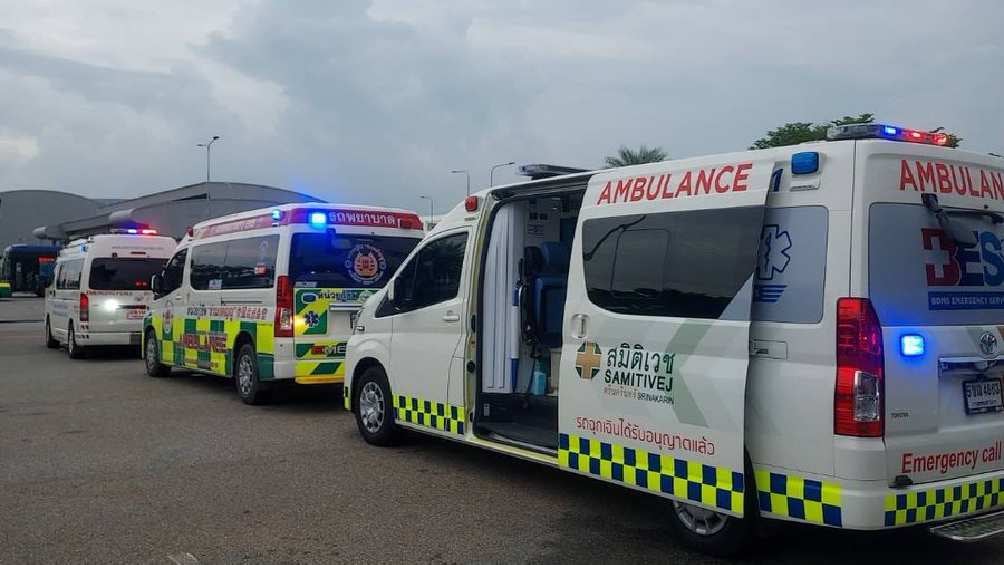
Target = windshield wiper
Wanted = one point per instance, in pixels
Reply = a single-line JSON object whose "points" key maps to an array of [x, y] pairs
{"points": [[944, 217]]}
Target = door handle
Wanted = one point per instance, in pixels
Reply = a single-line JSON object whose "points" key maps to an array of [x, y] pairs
{"points": [[451, 317], [579, 325]]}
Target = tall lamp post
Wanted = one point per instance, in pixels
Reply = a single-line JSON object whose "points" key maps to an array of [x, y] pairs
{"points": [[491, 175], [209, 148], [468, 174], [432, 208]]}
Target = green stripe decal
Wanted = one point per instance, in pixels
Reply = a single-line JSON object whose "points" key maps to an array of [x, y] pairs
{"points": [[326, 368]]}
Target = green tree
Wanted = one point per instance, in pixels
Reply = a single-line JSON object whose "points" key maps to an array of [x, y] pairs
{"points": [[794, 133], [644, 154]]}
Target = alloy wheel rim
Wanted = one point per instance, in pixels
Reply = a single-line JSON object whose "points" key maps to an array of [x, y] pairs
{"points": [[699, 520], [151, 354], [244, 375], [71, 341], [372, 407]]}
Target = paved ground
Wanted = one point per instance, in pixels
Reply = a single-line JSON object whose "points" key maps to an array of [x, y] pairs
{"points": [[99, 463]]}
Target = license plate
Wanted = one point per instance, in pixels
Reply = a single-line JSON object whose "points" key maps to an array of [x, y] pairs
{"points": [[983, 396], [135, 313]]}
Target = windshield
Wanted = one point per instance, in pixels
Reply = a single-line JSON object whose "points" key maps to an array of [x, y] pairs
{"points": [[123, 274], [921, 275], [331, 260]]}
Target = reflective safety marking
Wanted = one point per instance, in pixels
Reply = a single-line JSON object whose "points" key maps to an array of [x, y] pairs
{"points": [[211, 342], [321, 368], [936, 504], [791, 496], [443, 417], [716, 487], [346, 398]]}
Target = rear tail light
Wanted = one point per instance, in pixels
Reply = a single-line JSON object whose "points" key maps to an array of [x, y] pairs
{"points": [[471, 203], [857, 402], [85, 308], [283, 308]]}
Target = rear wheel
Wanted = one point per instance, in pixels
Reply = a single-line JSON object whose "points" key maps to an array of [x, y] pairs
{"points": [[151, 357], [249, 388], [50, 342], [73, 351], [374, 408], [715, 533]]}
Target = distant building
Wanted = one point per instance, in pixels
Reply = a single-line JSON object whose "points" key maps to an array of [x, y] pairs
{"points": [[21, 211], [171, 212]]}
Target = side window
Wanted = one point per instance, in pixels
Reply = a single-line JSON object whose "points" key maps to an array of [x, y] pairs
{"points": [[672, 264], [207, 266], [59, 276], [791, 265], [69, 275], [250, 263], [174, 272], [433, 275]]}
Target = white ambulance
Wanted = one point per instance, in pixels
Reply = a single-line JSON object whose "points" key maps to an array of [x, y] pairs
{"points": [[807, 333], [270, 295], [100, 289]]}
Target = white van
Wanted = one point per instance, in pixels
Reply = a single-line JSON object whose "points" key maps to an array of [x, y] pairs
{"points": [[100, 289], [270, 295], [807, 333]]}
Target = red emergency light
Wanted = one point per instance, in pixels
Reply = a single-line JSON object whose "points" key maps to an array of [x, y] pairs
{"points": [[884, 131]]}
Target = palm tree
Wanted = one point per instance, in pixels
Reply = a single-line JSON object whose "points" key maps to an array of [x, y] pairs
{"points": [[644, 154]]}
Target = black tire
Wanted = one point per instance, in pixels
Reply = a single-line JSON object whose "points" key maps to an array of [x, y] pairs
{"points": [[50, 342], [73, 351], [151, 357], [732, 537], [374, 408], [249, 388]]}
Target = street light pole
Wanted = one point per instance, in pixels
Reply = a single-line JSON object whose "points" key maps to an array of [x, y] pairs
{"points": [[468, 174], [432, 207], [209, 148], [491, 175]]}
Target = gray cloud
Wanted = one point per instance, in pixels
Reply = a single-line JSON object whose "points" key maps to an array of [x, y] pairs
{"points": [[377, 101]]}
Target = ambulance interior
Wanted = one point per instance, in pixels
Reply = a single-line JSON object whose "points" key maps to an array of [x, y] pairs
{"points": [[524, 290]]}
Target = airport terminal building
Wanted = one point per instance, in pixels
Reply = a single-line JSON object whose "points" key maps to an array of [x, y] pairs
{"points": [[49, 216]]}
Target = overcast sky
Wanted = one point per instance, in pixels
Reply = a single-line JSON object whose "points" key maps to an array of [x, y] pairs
{"points": [[375, 101]]}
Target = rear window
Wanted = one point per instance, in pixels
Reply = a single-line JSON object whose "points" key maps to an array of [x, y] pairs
{"points": [[331, 260], [123, 274], [696, 264], [918, 275]]}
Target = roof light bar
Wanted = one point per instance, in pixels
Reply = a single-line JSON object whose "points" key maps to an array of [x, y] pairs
{"points": [[884, 131]]}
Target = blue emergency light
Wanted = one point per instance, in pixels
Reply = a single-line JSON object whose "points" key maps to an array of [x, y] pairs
{"points": [[912, 345], [805, 163], [317, 219], [276, 215], [885, 131]]}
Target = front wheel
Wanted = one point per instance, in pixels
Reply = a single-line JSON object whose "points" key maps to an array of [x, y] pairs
{"points": [[151, 357], [249, 388], [374, 408]]}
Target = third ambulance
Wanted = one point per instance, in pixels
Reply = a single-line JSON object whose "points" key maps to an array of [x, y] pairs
{"points": [[808, 333], [269, 296]]}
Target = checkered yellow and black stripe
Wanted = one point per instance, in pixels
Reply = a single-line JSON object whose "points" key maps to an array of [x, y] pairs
{"points": [[937, 504], [791, 496], [711, 486], [437, 415]]}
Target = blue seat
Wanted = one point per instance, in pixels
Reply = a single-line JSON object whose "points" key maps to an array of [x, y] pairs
{"points": [[550, 286]]}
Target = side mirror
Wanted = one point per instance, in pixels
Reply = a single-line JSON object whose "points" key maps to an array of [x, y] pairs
{"points": [[156, 282]]}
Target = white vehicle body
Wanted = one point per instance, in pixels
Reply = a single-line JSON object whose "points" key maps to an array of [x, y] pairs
{"points": [[700, 353], [101, 288], [287, 280]]}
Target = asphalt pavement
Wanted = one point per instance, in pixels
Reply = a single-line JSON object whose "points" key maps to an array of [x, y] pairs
{"points": [[101, 464]]}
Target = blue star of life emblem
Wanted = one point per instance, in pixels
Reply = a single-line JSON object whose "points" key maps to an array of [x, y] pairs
{"points": [[311, 319], [773, 254]]}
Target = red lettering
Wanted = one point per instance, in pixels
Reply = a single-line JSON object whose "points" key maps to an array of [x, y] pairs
{"points": [[704, 179], [719, 187], [985, 185], [684, 185], [964, 171], [638, 191], [742, 174], [906, 177], [653, 189], [925, 174], [666, 192], [604, 195], [998, 182], [961, 189], [621, 192], [944, 181], [906, 463]]}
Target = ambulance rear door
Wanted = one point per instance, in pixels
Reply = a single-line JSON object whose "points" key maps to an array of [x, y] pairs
{"points": [[656, 327]]}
